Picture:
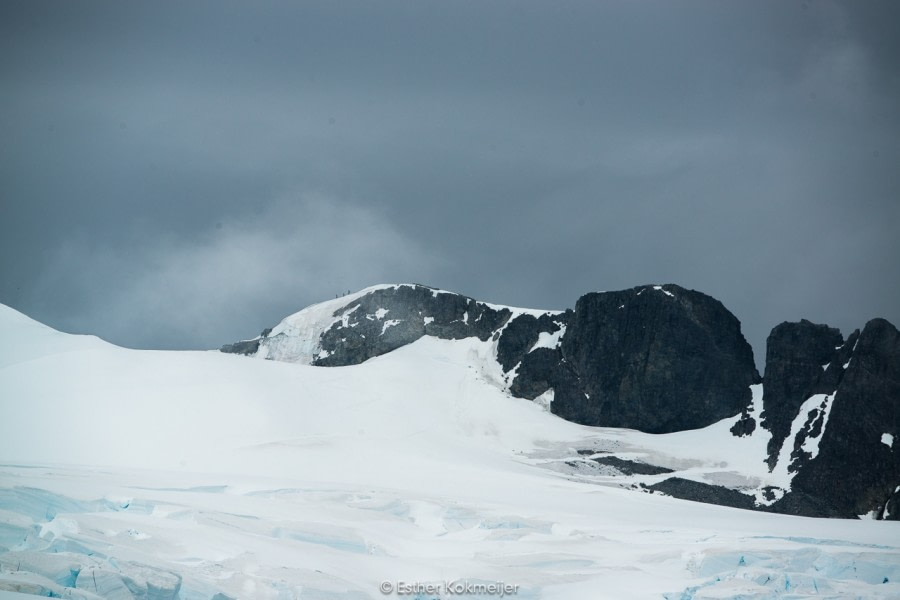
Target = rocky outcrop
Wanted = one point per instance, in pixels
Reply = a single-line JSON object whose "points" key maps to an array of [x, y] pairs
{"points": [[799, 359], [245, 347], [858, 463], [794, 503], [523, 333], [687, 489], [653, 358], [892, 508], [832, 409], [630, 467], [389, 318], [656, 358]]}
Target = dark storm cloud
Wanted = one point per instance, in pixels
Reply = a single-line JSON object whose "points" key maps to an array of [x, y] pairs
{"points": [[214, 280], [518, 152]]}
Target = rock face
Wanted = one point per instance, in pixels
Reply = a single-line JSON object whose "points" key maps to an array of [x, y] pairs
{"points": [[245, 347], [653, 358], [389, 318], [352, 329], [799, 359], [703, 492], [832, 408], [658, 359], [858, 464]]}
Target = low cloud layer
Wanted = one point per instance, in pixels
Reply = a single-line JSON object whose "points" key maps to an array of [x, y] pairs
{"points": [[232, 280]]}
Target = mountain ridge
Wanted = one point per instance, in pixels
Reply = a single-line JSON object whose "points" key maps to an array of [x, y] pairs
{"points": [[659, 359], [543, 352]]}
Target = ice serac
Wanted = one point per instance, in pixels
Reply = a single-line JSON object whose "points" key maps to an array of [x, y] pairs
{"points": [[855, 469], [657, 358]]}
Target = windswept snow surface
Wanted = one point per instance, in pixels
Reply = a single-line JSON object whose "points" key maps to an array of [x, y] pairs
{"points": [[549, 340], [198, 473], [296, 338]]}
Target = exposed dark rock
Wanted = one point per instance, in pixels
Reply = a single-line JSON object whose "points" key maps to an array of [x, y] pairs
{"points": [[892, 508], [653, 358], [662, 359], [389, 318], [769, 493], [246, 347], [687, 489], [744, 426], [795, 356], [790, 504], [631, 467], [541, 370], [858, 383], [657, 358], [522, 333], [855, 420], [855, 469], [810, 429], [793, 503], [808, 505]]}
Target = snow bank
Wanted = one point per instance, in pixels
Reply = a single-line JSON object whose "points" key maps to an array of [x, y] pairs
{"points": [[208, 473]]}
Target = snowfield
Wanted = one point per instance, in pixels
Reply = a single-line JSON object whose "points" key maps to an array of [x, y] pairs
{"points": [[198, 475]]}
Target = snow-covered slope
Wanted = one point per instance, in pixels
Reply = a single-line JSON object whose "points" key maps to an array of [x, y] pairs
{"points": [[660, 359], [187, 474], [701, 364], [298, 338]]}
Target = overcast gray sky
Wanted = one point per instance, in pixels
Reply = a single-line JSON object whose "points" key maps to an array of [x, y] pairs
{"points": [[183, 174]]}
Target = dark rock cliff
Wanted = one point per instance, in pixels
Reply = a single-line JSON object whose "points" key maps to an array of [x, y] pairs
{"points": [[832, 407], [833, 410], [389, 318], [802, 359], [653, 358], [662, 359], [656, 358], [858, 464]]}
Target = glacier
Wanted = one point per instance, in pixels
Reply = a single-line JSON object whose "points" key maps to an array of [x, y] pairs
{"points": [[201, 475]]}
